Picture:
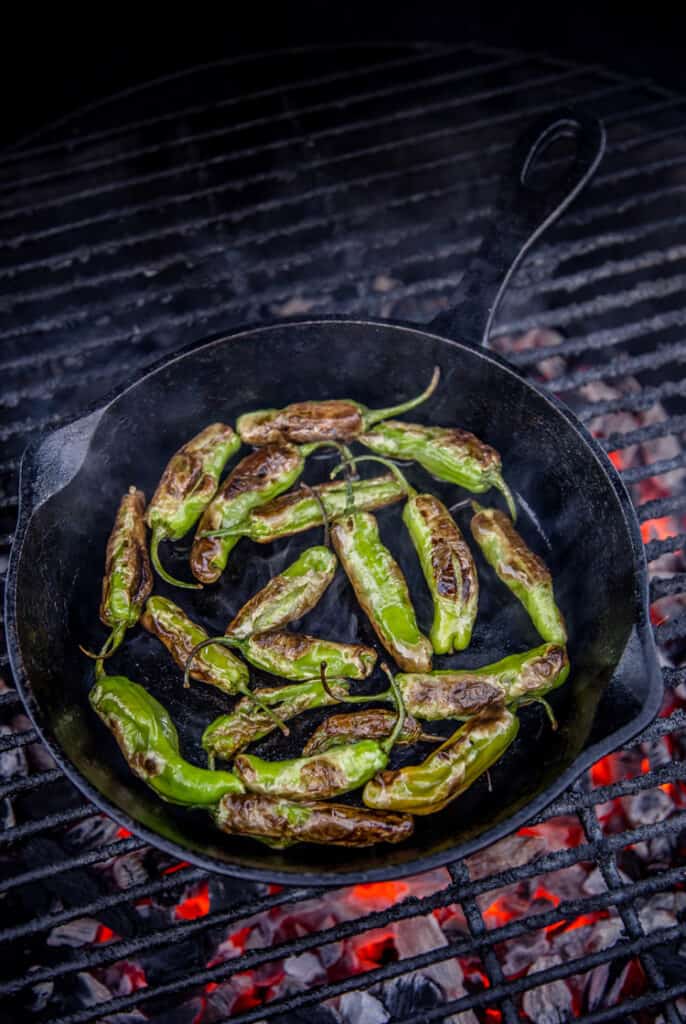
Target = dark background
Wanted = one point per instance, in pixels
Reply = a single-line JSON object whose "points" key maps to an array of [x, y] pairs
{"points": [[53, 62]]}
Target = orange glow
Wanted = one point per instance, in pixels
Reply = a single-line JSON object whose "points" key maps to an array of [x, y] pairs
{"points": [[616, 459], [602, 772], [645, 765], [586, 919], [493, 1016], [194, 906], [545, 894], [499, 912], [211, 986], [376, 951], [657, 529], [136, 975], [240, 937], [247, 1000], [383, 893], [176, 867], [273, 889], [104, 934], [123, 833]]}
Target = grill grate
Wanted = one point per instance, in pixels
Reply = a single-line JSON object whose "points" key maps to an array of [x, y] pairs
{"points": [[359, 191]]}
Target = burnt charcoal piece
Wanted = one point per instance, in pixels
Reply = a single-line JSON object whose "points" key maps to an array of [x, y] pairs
{"points": [[405, 996]]}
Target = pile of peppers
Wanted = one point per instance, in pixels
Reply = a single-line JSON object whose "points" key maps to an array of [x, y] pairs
{"points": [[290, 800]]}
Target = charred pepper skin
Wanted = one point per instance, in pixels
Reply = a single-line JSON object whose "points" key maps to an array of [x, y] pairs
{"points": [[328, 420], [448, 771], [127, 581], [319, 777], [448, 453], [288, 596], [515, 680], [214, 665], [229, 734], [523, 573], [149, 742], [299, 511], [187, 486], [298, 656], [371, 724], [256, 479], [282, 823], [381, 590]]}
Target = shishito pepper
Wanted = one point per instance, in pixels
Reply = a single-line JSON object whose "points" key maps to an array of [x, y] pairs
{"points": [[328, 420], [288, 596], [518, 679], [228, 734], [186, 488], [381, 589], [148, 739], [370, 724], [446, 562], [321, 776], [215, 665], [128, 578], [298, 656], [300, 510], [522, 572], [281, 823], [446, 452], [256, 479], [448, 771]]}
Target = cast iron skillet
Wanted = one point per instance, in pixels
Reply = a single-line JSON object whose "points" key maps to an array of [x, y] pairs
{"points": [[573, 509]]}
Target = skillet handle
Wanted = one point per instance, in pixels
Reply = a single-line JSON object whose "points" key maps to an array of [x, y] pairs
{"points": [[522, 215]]}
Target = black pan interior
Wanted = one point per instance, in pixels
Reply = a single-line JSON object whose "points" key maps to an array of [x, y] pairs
{"points": [[573, 512]]}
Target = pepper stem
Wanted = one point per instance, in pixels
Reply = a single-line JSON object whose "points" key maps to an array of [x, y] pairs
{"points": [[395, 470], [313, 446], [161, 571], [322, 508], [225, 641], [389, 743], [109, 647], [372, 416], [549, 712], [346, 698], [501, 486]]}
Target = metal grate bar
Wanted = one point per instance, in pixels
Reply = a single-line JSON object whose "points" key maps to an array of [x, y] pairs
{"points": [[112, 132], [21, 783], [31, 828], [18, 739], [660, 507], [664, 428], [77, 861], [8, 697], [655, 548], [633, 402], [671, 629], [657, 468], [667, 585], [287, 116]]}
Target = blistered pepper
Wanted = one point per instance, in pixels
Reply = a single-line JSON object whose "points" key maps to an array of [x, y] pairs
{"points": [[280, 823], [328, 420], [446, 562], [186, 488], [448, 771], [381, 589], [128, 578], [518, 679], [215, 665], [256, 479], [370, 724], [448, 453], [228, 734], [148, 739], [321, 776], [288, 596], [299, 510], [523, 573]]}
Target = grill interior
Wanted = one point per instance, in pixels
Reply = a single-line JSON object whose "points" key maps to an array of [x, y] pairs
{"points": [[272, 187]]}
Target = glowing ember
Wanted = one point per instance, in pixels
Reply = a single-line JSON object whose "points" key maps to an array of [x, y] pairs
{"points": [[499, 912], [105, 934], [123, 833], [377, 950], [197, 905], [383, 894], [176, 867]]}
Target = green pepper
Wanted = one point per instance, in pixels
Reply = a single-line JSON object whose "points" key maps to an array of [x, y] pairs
{"points": [[446, 562], [128, 578], [372, 723], [148, 739], [328, 420], [186, 488], [215, 665], [299, 510], [518, 679], [322, 776], [228, 734], [448, 771], [288, 596], [297, 656], [256, 479], [523, 573], [381, 589], [446, 452], [281, 823]]}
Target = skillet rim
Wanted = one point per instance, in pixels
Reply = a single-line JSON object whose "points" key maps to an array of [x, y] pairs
{"points": [[337, 877]]}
